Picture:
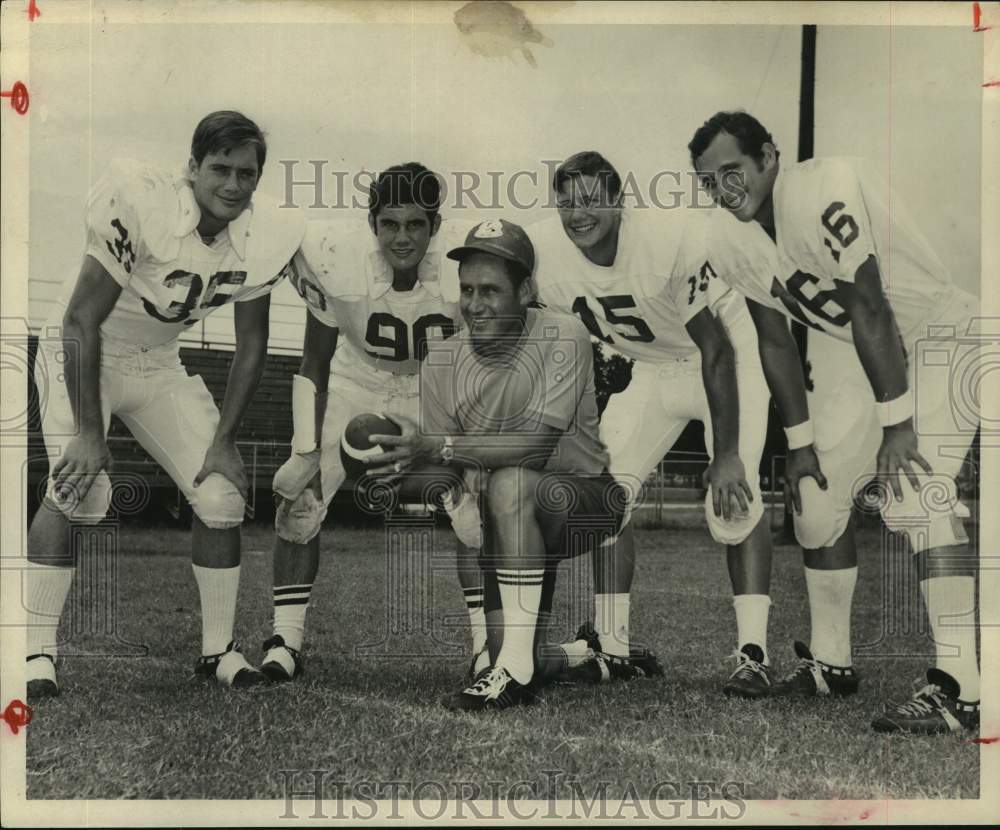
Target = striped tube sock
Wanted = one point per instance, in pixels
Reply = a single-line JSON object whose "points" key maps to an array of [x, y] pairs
{"points": [[520, 597], [290, 605], [477, 617]]}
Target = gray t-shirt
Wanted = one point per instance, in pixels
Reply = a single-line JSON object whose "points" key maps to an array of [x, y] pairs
{"points": [[548, 379]]}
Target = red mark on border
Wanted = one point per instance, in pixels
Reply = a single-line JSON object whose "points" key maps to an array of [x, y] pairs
{"points": [[33, 11], [17, 714], [985, 740], [866, 814], [977, 19], [19, 99], [992, 83]]}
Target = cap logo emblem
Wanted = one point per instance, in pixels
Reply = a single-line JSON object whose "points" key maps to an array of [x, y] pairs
{"points": [[489, 230]]}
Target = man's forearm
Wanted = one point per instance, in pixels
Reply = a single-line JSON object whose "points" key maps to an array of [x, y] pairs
{"points": [[244, 377], [495, 451], [783, 373], [318, 347], [718, 373], [880, 350], [82, 344], [316, 367]]}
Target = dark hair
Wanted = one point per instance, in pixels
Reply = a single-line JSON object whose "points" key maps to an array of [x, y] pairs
{"points": [[222, 131], [405, 184], [517, 273], [749, 133], [588, 163]]}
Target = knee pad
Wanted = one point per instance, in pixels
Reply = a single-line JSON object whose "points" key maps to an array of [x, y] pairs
{"points": [[824, 516], [218, 503], [92, 508], [299, 521], [465, 519], [927, 517], [739, 526], [294, 475]]}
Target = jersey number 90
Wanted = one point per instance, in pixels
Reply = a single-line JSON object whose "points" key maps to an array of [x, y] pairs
{"points": [[390, 340]]}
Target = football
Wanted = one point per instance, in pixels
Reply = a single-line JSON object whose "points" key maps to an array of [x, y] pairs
{"points": [[355, 444]]}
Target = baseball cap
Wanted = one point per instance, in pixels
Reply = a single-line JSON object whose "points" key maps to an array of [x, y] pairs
{"points": [[500, 238]]}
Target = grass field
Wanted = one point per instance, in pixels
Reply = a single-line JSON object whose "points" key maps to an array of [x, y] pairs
{"points": [[141, 727]]}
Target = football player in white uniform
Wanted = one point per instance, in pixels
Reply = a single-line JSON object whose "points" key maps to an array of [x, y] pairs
{"points": [[163, 251], [847, 266], [376, 294], [643, 282]]}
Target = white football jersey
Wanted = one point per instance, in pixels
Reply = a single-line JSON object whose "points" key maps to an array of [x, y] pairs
{"points": [[831, 215], [661, 277], [346, 283], [142, 227]]}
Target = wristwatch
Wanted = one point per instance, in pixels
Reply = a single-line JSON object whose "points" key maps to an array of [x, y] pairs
{"points": [[448, 450]]}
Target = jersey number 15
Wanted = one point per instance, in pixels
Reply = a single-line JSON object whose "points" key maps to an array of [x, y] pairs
{"points": [[626, 326]]}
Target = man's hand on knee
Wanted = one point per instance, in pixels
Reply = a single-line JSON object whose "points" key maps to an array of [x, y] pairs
{"points": [[297, 473], [78, 467], [224, 458]]}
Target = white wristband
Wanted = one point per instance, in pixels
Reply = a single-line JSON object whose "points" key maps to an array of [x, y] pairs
{"points": [[895, 411], [303, 414], [800, 435]]}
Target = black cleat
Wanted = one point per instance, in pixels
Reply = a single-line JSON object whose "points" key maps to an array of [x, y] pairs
{"points": [[229, 668], [934, 710], [471, 675], [588, 634], [603, 668], [496, 689], [644, 661], [751, 679], [41, 674], [282, 663], [641, 662], [813, 678]]}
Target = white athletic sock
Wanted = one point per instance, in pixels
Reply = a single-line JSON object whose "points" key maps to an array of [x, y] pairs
{"points": [[751, 620], [611, 622], [830, 596], [290, 605], [217, 588], [576, 652], [477, 617], [46, 589], [950, 603], [520, 597]]}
